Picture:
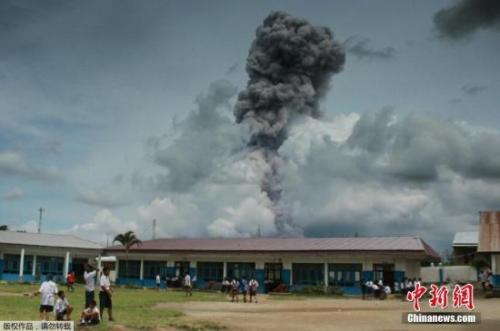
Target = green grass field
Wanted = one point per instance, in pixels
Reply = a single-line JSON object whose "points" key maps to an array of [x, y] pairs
{"points": [[132, 308]]}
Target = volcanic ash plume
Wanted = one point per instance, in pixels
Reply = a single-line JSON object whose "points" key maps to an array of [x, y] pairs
{"points": [[289, 64]]}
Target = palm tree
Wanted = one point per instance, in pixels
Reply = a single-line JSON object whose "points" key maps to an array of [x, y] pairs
{"points": [[127, 240], [4, 227]]}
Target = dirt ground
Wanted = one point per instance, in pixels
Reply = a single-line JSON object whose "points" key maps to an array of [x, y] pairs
{"points": [[324, 314]]}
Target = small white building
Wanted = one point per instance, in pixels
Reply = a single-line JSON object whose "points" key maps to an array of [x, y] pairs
{"points": [[28, 256], [465, 247]]}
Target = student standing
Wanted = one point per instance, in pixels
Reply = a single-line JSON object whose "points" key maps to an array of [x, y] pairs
{"points": [[158, 282], [244, 288], [105, 294], [47, 290], [363, 289], [62, 308], [187, 285], [253, 285], [89, 276], [226, 286], [235, 286], [369, 288]]}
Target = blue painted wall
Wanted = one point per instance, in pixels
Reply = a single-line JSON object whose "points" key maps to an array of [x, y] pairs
{"points": [[285, 275], [259, 276], [130, 281], [368, 275], [352, 290], [399, 276], [151, 283], [1, 268], [10, 277], [28, 278], [148, 282], [496, 280], [171, 271]]}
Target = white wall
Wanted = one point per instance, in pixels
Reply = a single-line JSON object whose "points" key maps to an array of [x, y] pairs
{"points": [[454, 273], [495, 263], [413, 269]]}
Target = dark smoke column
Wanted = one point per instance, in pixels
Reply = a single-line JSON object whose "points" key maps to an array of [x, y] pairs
{"points": [[289, 64]]}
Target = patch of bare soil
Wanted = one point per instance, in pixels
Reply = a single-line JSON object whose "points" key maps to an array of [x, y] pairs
{"points": [[323, 314], [12, 294]]}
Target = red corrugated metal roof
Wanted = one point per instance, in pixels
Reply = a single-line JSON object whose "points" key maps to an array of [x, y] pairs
{"points": [[287, 245]]}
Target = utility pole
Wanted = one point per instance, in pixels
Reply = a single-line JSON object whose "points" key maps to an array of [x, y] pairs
{"points": [[154, 229], [40, 220]]}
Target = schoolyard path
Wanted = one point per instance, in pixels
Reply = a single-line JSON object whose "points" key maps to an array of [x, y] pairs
{"points": [[324, 314]]}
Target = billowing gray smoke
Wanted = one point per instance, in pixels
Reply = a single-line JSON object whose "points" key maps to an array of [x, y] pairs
{"points": [[290, 64]]}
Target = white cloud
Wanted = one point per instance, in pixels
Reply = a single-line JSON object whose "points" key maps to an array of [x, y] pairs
{"points": [[12, 163], [244, 220], [103, 224], [14, 193], [222, 228], [103, 198]]}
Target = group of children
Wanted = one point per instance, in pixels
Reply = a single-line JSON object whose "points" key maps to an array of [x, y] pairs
{"points": [[486, 278], [380, 290], [55, 302], [236, 287]]}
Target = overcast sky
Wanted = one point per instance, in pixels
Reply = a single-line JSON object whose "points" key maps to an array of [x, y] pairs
{"points": [[113, 113]]}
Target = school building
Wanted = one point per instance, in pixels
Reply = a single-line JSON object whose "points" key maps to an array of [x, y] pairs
{"points": [[29, 256], [295, 262]]}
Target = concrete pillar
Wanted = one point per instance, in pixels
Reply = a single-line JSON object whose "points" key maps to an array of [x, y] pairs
{"points": [[66, 264], [325, 276], [224, 270], [21, 265], [99, 264], [117, 268], [33, 271], [141, 272], [494, 264]]}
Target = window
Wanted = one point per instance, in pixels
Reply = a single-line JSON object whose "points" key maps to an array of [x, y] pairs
{"points": [[132, 269], [308, 273], [272, 271], [239, 270], [12, 262], [344, 274], [50, 265], [210, 271], [153, 268]]}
